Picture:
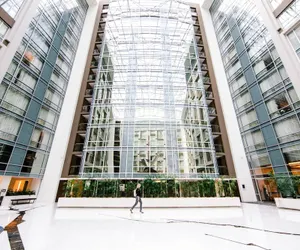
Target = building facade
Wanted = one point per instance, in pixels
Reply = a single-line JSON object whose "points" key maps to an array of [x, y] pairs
{"points": [[33, 88], [264, 95], [148, 104]]}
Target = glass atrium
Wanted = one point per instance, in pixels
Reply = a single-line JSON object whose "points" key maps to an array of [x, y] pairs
{"points": [[149, 111]]}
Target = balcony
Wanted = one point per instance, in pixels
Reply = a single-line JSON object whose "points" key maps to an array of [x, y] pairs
{"points": [[215, 129], [94, 65], [202, 54], [82, 127], [204, 67], [289, 138], [212, 111], [92, 78], [86, 109], [206, 81], [209, 95], [96, 52], [89, 95], [78, 147], [74, 170], [219, 149]]}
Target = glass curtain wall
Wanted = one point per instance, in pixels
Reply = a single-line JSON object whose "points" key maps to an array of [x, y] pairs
{"points": [[267, 106], [149, 113], [32, 92]]}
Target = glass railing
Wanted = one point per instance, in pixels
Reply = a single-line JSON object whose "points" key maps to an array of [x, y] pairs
{"points": [[12, 108], [7, 136], [289, 138]]}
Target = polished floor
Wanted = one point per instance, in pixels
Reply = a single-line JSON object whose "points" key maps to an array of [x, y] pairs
{"points": [[250, 227]]}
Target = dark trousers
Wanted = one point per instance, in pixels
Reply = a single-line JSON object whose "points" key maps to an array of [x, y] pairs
{"points": [[138, 199]]}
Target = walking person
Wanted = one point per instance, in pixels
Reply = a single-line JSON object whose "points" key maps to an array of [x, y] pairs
{"points": [[138, 198]]}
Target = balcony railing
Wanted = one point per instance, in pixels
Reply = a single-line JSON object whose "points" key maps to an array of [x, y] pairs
{"points": [[12, 108], [201, 54], [78, 147], [281, 111], [7, 136], [289, 138]]}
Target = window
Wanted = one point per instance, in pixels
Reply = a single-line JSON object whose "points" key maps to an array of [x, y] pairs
{"points": [[59, 80], [238, 83], [288, 129], [232, 69], [294, 38], [248, 119], [292, 158], [47, 117], [243, 101], [270, 82], [5, 153], [293, 95], [9, 127], [24, 78], [278, 105], [52, 97], [259, 160], [3, 29], [15, 101], [254, 140]]}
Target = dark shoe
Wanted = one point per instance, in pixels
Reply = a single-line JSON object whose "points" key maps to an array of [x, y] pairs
{"points": [[141, 212], [131, 211]]}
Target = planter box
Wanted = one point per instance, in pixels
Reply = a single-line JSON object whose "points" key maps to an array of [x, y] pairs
{"points": [[149, 202], [288, 203], [7, 199]]}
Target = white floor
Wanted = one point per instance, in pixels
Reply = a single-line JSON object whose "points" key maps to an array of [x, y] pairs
{"points": [[93, 229]]}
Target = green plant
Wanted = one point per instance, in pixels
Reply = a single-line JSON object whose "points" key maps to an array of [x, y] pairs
{"points": [[17, 193], [234, 189], [285, 186], [129, 187], [296, 185], [209, 188]]}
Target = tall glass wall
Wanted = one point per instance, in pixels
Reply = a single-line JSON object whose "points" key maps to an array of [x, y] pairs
{"points": [[266, 104], [149, 112], [32, 92]]}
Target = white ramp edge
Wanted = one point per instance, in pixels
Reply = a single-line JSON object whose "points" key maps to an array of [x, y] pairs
{"points": [[148, 202]]}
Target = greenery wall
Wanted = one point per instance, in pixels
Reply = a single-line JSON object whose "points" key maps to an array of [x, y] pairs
{"points": [[286, 186], [151, 188]]}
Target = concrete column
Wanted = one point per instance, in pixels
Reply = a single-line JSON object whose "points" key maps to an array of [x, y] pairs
{"points": [[245, 182], [16, 33], [4, 184], [50, 182]]}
